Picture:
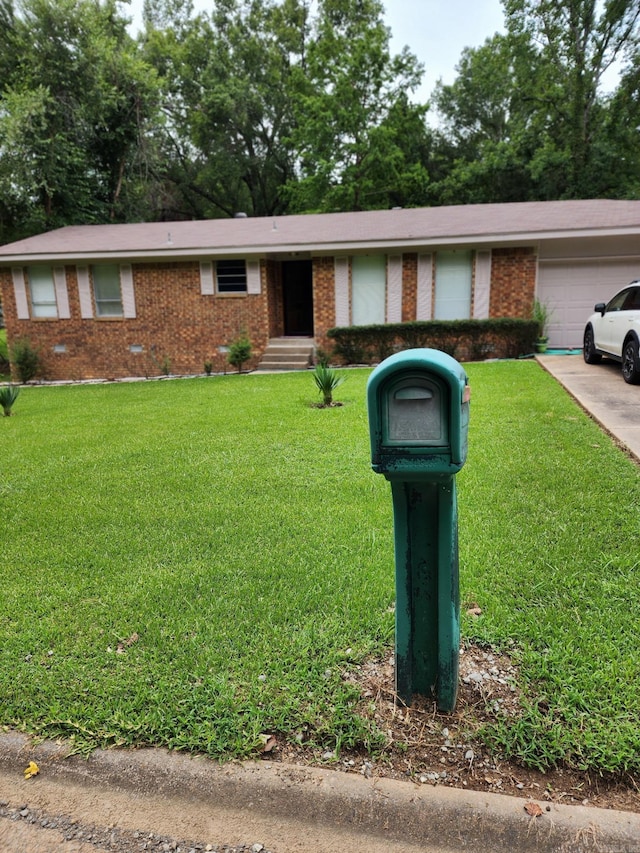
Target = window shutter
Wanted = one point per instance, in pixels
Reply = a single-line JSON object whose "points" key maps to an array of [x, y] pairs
{"points": [[394, 289], [206, 278], [62, 295], [84, 293], [342, 291], [425, 287], [128, 295], [20, 290], [253, 277], [453, 285], [482, 289]]}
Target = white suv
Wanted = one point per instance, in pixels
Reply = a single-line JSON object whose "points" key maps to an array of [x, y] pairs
{"points": [[614, 331]]}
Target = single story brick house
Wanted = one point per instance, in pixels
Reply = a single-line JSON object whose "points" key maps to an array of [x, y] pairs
{"points": [[104, 301]]}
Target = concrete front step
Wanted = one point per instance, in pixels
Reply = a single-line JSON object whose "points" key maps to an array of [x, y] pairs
{"points": [[287, 354]]}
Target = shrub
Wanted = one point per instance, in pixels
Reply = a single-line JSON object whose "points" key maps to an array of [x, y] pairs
{"points": [[463, 339], [208, 367], [239, 352], [327, 380], [26, 360], [4, 352], [322, 357], [8, 396]]}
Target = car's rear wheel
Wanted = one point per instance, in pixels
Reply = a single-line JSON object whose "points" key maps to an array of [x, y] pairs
{"points": [[631, 362], [591, 356]]}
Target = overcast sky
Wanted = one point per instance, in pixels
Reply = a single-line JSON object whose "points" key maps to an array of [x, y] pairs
{"points": [[436, 31]]}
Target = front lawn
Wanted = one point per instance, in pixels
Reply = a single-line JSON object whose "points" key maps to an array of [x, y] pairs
{"points": [[195, 563]]}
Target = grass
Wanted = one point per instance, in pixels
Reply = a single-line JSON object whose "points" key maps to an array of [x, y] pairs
{"points": [[194, 563]]}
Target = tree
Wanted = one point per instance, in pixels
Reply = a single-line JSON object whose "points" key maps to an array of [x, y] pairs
{"points": [[351, 107], [75, 103], [577, 41], [483, 145], [527, 117], [227, 86]]}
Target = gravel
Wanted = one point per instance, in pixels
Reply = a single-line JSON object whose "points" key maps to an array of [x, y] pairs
{"points": [[114, 840]]}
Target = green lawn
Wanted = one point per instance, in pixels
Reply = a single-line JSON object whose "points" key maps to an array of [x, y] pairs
{"points": [[192, 563]]}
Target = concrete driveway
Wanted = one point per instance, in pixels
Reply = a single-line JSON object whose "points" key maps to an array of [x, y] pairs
{"points": [[603, 393]]}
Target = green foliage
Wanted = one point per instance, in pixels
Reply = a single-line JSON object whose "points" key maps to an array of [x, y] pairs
{"points": [[4, 352], [8, 396], [208, 367], [282, 106], [541, 315], [239, 352], [528, 118], [25, 359], [176, 547], [75, 104], [357, 136], [322, 357], [327, 380], [473, 340]]}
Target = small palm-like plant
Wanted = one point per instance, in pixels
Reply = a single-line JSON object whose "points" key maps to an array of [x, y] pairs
{"points": [[327, 380], [8, 396]]}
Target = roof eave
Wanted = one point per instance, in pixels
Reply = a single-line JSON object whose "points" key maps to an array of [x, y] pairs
{"points": [[194, 253]]}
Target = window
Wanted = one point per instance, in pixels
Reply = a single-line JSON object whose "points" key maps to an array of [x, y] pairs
{"points": [[368, 289], [231, 276], [43, 292], [453, 285], [107, 291]]}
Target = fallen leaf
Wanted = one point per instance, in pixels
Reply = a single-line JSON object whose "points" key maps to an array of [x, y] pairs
{"points": [[126, 643], [533, 809], [31, 770], [268, 742]]}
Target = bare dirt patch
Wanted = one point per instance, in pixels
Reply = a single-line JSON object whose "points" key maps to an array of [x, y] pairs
{"points": [[430, 748]]}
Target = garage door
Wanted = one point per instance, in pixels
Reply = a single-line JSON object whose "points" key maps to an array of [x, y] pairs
{"points": [[572, 288]]}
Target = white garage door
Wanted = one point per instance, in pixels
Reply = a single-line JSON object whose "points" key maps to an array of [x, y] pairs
{"points": [[571, 289]]}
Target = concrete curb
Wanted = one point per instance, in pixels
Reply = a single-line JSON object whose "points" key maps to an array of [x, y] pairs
{"points": [[446, 819]]}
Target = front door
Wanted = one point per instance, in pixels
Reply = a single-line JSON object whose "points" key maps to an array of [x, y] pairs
{"points": [[297, 297]]}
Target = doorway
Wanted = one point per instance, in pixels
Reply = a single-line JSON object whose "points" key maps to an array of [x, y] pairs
{"points": [[297, 298]]}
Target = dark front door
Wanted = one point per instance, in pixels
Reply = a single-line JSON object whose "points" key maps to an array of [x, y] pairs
{"points": [[297, 296]]}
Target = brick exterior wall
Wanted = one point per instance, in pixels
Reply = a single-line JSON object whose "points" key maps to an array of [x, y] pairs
{"points": [[273, 271], [324, 301], [175, 322], [513, 282], [409, 287]]}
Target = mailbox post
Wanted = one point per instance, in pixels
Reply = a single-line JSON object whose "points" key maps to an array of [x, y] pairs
{"points": [[418, 403]]}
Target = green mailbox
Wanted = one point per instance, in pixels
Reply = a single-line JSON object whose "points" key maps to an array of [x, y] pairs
{"points": [[418, 403]]}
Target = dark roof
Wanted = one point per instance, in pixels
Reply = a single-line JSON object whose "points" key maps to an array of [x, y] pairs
{"points": [[333, 233]]}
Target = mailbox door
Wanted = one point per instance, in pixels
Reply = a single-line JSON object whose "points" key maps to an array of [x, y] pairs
{"points": [[415, 412]]}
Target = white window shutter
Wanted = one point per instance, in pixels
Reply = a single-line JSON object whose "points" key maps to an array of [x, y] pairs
{"points": [[62, 295], [394, 289], [128, 294], [253, 277], [84, 293], [482, 289], [206, 278], [20, 291], [425, 287], [341, 266]]}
